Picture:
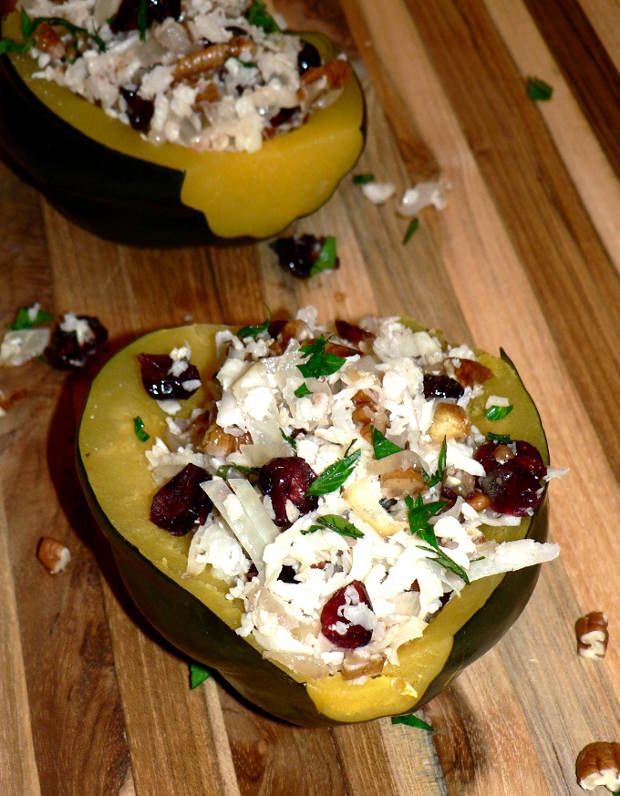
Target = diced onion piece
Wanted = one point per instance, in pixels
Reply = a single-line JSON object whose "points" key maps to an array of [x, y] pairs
{"points": [[244, 514], [424, 194], [253, 506], [363, 496]]}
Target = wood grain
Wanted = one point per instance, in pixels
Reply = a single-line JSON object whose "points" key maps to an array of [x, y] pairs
{"points": [[525, 256]]}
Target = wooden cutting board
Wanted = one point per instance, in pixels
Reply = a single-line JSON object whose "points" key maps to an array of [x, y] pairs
{"points": [[524, 256]]}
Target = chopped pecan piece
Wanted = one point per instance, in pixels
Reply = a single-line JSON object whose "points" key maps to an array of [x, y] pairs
{"points": [[397, 483], [211, 58], [470, 372], [592, 635], [449, 421], [354, 334], [217, 442], [478, 500], [48, 41], [53, 554], [598, 763]]}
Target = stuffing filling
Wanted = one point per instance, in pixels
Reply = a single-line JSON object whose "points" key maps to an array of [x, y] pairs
{"points": [[348, 491], [207, 74]]}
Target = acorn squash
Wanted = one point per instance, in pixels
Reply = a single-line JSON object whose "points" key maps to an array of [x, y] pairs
{"points": [[104, 176], [193, 614]]}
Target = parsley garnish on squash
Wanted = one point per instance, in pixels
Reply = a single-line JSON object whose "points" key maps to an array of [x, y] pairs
{"points": [[334, 522], [503, 439], [335, 475], [138, 427], [437, 477], [419, 514], [29, 28], [498, 412], [319, 362]]}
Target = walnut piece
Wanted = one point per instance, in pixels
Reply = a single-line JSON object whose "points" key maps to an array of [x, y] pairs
{"points": [[598, 763], [592, 635], [397, 483], [53, 554]]}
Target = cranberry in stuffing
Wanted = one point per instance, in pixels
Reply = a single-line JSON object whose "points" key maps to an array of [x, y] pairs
{"points": [[156, 11], [287, 574], [162, 385], [140, 111], [298, 255], [332, 618], [441, 386], [181, 502], [287, 478], [512, 483], [308, 57], [65, 351]]}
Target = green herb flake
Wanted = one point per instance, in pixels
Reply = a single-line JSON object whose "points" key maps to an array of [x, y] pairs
{"points": [[333, 522], [327, 258], [498, 412], [437, 477], [29, 27], [197, 675], [363, 179], [381, 445], [253, 331], [138, 427], [504, 439], [290, 440], [258, 15], [334, 476], [223, 470], [247, 64], [319, 363], [23, 320], [142, 18], [413, 721], [538, 90], [413, 225], [302, 390], [418, 515]]}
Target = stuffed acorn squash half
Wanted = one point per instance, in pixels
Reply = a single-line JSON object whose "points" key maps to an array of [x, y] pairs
{"points": [[176, 122], [338, 520]]}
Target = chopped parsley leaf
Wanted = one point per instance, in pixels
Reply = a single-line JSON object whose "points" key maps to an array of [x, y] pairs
{"points": [[253, 331], [327, 257], [138, 427], [335, 475], [413, 225], [290, 440], [413, 721], [362, 179], [319, 363], [334, 522], [498, 412], [437, 478], [258, 15], [538, 90], [23, 320], [504, 439], [419, 514], [197, 674], [381, 445], [302, 390], [224, 469], [142, 18]]}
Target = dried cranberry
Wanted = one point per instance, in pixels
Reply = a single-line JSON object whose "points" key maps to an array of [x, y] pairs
{"points": [[283, 116], [449, 496], [181, 502], [441, 386], [354, 334], [287, 574], [65, 352], [140, 111], [156, 11], [513, 485], [162, 385], [298, 254], [308, 57], [332, 617], [287, 478]]}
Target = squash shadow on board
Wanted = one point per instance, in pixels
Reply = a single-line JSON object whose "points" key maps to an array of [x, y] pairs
{"points": [[61, 442]]}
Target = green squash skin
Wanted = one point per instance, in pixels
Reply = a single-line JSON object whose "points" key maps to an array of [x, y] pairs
{"points": [[191, 627], [115, 196]]}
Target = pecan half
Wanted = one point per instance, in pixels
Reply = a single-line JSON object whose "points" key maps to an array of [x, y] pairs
{"points": [[53, 554], [592, 635], [598, 763]]}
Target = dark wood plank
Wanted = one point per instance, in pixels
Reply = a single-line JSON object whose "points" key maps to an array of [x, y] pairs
{"points": [[586, 65], [557, 244]]}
